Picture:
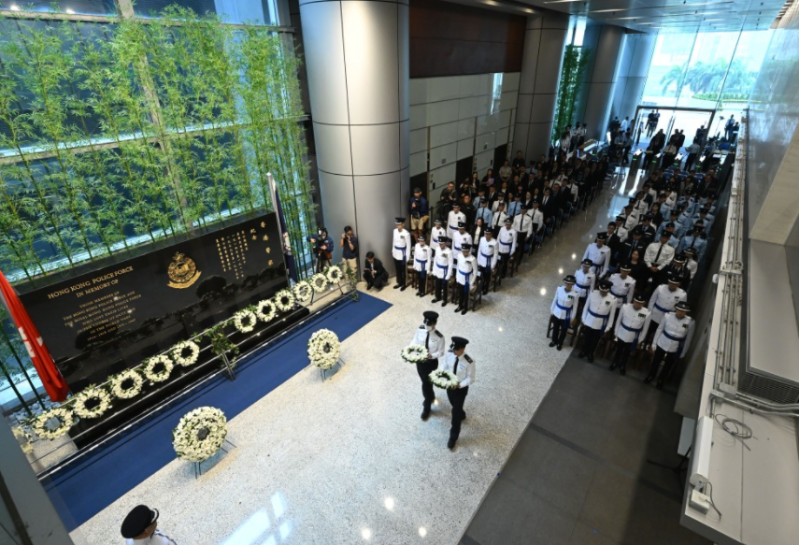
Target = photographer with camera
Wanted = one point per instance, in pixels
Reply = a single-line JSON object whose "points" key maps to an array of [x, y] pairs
{"points": [[349, 243], [322, 249]]}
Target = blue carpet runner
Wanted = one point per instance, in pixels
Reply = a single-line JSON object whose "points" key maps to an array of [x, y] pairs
{"points": [[103, 476]]}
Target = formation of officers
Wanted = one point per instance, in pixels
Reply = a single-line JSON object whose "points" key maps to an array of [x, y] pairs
{"points": [[455, 360], [484, 224], [633, 280]]}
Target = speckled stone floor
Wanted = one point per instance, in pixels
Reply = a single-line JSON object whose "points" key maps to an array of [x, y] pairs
{"points": [[348, 460]]}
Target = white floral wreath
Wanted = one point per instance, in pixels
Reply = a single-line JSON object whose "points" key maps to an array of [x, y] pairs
{"points": [[443, 379], [95, 394], [334, 274], [319, 282], [129, 376], [245, 320], [65, 421], [324, 349], [266, 310], [158, 376], [415, 353], [303, 291], [200, 434], [284, 300], [185, 353]]}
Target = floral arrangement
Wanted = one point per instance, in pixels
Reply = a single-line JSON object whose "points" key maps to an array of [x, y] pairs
{"points": [[65, 421], [284, 300], [127, 384], [158, 368], [414, 353], [303, 291], [199, 434], [319, 282], [244, 321], [266, 310], [334, 274], [324, 349], [443, 379], [186, 353], [92, 402], [23, 438]]}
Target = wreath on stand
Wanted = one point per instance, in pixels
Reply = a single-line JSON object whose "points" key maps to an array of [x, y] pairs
{"points": [[40, 424], [319, 282], [334, 275], [446, 380], [324, 349], [265, 310], [158, 368], [415, 353], [92, 402], [200, 434], [244, 321], [127, 384], [284, 300], [303, 291], [186, 353]]}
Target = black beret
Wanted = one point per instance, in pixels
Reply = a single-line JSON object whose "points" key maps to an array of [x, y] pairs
{"points": [[137, 521]]}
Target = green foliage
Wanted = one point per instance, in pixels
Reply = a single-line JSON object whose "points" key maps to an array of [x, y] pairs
{"points": [[707, 78], [219, 340], [575, 63], [118, 134]]}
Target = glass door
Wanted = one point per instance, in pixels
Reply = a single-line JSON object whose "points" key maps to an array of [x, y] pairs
{"points": [[693, 123]]}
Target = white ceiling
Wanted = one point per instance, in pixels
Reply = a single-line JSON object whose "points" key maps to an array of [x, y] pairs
{"points": [[655, 15]]}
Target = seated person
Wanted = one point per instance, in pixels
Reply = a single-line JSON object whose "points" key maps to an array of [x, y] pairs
{"points": [[374, 273]]}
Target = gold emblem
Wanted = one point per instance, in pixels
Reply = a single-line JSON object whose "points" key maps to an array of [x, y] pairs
{"points": [[182, 272], [269, 250]]}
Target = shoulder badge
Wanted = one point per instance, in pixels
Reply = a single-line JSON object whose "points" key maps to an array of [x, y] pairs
{"points": [[685, 326], [421, 327], [467, 358], [439, 334]]}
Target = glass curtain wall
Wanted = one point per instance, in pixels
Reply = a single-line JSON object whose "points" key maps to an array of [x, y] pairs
{"points": [[101, 150]]}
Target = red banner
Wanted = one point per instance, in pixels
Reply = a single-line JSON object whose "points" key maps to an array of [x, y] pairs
{"points": [[45, 366]]}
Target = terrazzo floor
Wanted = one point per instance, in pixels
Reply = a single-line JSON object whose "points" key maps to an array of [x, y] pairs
{"points": [[348, 460]]}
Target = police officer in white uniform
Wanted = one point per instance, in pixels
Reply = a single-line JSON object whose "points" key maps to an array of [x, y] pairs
{"points": [[664, 299], [586, 279], [454, 218], [599, 254], [465, 276], [598, 314], [422, 263], [442, 270], [400, 251], [622, 285], [564, 310], [631, 328], [460, 237], [433, 340], [435, 234], [140, 527], [671, 342], [458, 362], [487, 254], [507, 246]]}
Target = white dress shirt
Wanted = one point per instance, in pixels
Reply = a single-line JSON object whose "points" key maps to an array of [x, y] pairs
{"points": [[507, 241], [465, 268], [600, 257], [564, 304], [465, 370], [459, 239], [401, 246], [498, 219], [622, 233], [585, 281], [632, 324], [442, 264], [422, 258], [156, 539], [435, 235], [538, 218], [664, 300], [496, 204], [523, 224], [487, 253], [599, 311], [453, 218], [657, 257], [674, 334], [622, 288], [434, 341]]}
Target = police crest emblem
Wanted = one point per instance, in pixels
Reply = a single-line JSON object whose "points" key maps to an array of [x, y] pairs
{"points": [[182, 272]]}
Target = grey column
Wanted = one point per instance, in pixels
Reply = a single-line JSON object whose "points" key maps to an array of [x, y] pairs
{"points": [[357, 62], [538, 84], [603, 78], [634, 68]]}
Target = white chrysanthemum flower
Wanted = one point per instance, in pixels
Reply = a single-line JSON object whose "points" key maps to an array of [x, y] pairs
{"points": [[186, 353], [127, 384], [303, 291], [284, 300], [200, 434], [334, 274], [266, 310], [445, 380], [244, 321], [92, 402], [158, 368], [319, 282], [65, 420], [414, 353], [324, 349]]}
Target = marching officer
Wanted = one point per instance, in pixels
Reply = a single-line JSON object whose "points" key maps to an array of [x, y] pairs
{"points": [[401, 246], [586, 279], [632, 326], [564, 310], [622, 285], [465, 277], [598, 314], [433, 340], [442, 270], [507, 246], [599, 254], [671, 342], [487, 255], [422, 262], [457, 362], [664, 299]]}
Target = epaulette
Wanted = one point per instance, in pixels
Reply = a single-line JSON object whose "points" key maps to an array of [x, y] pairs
{"points": [[421, 327], [467, 358], [439, 334]]}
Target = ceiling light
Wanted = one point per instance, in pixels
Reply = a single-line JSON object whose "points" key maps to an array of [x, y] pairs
{"points": [[669, 6]]}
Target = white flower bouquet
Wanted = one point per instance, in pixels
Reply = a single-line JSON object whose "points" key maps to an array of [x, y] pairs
{"points": [[334, 274], [158, 368], [41, 424], [186, 353], [303, 291], [244, 321], [324, 349], [445, 380], [319, 282], [92, 402], [199, 434], [415, 353], [284, 300], [127, 384], [266, 310]]}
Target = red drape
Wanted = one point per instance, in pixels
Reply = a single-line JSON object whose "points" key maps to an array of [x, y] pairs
{"points": [[48, 373]]}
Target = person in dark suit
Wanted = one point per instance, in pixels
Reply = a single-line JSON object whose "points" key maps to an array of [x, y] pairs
{"points": [[374, 273]]}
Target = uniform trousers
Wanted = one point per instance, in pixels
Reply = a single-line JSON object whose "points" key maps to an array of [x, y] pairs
{"points": [[442, 289], [559, 330], [591, 340], [502, 261], [424, 369], [650, 335], [670, 359], [422, 281], [463, 296], [456, 399], [485, 278], [622, 354], [399, 267]]}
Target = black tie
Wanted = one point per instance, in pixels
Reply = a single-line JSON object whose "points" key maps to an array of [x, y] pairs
{"points": [[658, 254], [427, 341], [692, 242], [456, 366]]}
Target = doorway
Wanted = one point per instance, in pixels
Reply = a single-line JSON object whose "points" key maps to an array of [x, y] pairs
{"points": [[649, 120]]}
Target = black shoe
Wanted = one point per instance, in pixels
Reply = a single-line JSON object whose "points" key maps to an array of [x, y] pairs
{"points": [[451, 444], [648, 379], [397, 286], [436, 300], [368, 288], [444, 304], [659, 385], [612, 366], [458, 309], [553, 343], [560, 347], [419, 294], [581, 355], [622, 371], [403, 288], [425, 414], [463, 313]]}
